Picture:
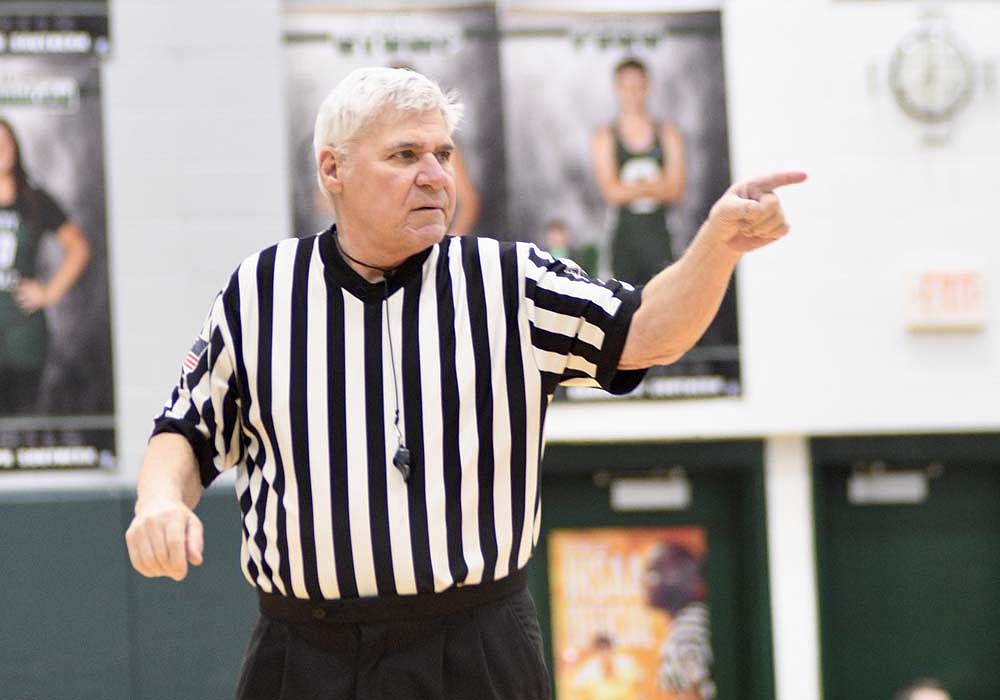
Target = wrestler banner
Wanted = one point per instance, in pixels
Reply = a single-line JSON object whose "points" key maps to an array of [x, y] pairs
{"points": [[56, 385], [600, 135], [630, 617], [638, 103]]}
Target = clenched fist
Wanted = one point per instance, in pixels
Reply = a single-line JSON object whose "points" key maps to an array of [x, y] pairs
{"points": [[164, 537]]}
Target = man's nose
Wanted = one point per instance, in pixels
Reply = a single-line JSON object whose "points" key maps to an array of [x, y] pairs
{"points": [[432, 173]]}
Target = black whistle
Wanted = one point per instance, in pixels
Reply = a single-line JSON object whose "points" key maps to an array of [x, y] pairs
{"points": [[401, 460]]}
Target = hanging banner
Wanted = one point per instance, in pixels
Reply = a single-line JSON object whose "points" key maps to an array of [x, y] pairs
{"points": [[617, 147], [455, 46], [552, 149], [54, 27], [630, 614], [56, 391]]}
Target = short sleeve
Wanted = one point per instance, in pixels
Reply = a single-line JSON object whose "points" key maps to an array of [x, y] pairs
{"points": [[50, 215], [204, 406], [578, 324]]}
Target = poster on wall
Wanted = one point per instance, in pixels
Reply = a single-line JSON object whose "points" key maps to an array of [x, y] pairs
{"points": [[54, 27], [56, 385], [600, 135], [453, 43], [617, 147], [630, 614]]}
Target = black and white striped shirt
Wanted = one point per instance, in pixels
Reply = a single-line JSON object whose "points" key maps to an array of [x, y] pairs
{"points": [[291, 381]]}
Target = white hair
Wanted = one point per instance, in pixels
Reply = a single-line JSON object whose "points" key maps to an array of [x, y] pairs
{"points": [[366, 92]]}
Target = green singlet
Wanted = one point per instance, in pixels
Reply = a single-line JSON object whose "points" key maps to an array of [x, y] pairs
{"points": [[640, 243]]}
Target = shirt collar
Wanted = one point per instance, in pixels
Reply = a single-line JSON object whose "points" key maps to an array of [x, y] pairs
{"points": [[341, 273]]}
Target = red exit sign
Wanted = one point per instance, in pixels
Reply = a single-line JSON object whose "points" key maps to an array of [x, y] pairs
{"points": [[946, 300]]}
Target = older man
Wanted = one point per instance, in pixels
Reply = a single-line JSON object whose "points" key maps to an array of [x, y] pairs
{"points": [[381, 389]]}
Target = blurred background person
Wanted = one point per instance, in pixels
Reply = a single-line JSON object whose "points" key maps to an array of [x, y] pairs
{"points": [[27, 213], [639, 166], [674, 583], [924, 689], [467, 196], [557, 240]]}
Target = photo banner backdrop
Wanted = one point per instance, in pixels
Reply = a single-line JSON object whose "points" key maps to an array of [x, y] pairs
{"points": [[538, 85], [559, 90], [630, 614], [56, 383], [324, 41]]}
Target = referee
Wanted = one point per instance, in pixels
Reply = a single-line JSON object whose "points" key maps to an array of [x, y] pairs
{"points": [[381, 390]]}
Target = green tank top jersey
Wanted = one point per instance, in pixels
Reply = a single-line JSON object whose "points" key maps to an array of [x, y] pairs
{"points": [[23, 337], [640, 242]]}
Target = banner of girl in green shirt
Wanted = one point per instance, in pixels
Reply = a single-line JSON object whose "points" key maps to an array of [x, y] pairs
{"points": [[56, 393]]}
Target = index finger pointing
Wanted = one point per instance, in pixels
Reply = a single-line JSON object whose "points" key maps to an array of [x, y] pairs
{"points": [[768, 183]]}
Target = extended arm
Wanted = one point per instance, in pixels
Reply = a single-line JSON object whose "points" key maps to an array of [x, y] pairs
{"points": [[165, 534], [679, 303]]}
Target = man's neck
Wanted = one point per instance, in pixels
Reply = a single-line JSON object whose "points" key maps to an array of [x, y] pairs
{"points": [[371, 270], [634, 116]]}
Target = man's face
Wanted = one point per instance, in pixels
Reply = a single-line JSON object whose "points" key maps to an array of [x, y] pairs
{"points": [[632, 88], [396, 189]]}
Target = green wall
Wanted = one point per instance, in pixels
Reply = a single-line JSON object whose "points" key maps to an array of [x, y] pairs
{"points": [[79, 624]]}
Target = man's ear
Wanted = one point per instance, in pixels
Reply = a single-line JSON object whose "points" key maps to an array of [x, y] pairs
{"points": [[330, 170]]}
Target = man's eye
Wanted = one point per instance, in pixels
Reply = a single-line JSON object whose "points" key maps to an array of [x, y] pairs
{"points": [[405, 155], [444, 156]]}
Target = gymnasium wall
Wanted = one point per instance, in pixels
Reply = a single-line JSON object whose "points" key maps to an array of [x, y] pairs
{"points": [[822, 314], [196, 169], [196, 177]]}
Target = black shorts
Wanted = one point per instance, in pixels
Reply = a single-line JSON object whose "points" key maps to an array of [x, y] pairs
{"points": [[492, 651]]}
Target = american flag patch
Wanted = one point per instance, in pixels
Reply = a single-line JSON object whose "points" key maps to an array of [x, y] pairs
{"points": [[194, 354]]}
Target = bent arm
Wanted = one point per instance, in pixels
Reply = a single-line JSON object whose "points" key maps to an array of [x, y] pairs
{"points": [[468, 199], [77, 254], [32, 295], [679, 303], [669, 187], [165, 534]]}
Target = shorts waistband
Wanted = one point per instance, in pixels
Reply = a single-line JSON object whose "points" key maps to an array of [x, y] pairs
{"points": [[300, 611]]}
